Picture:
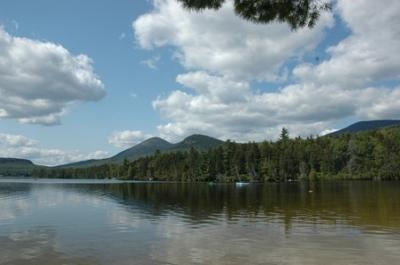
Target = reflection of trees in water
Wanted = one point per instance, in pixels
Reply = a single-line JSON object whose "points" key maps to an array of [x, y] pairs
{"points": [[36, 246], [355, 203], [12, 200], [14, 189]]}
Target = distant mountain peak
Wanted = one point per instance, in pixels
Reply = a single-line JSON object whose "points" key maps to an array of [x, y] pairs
{"points": [[151, 145], [155, 140], [196, 137], [9, 160], [361, 126]]}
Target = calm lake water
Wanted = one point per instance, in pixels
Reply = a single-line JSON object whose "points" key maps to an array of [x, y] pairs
{"points": [[85, 222]]}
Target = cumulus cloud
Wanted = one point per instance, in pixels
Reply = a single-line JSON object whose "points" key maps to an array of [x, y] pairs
{"points": [[38, 80], [222, 43], [362, 62], [124, 139], [218, 88], [15, 140], [151, 63], [327, 131], [224, 54], [19, 146], [303, 109], [369, 55]]}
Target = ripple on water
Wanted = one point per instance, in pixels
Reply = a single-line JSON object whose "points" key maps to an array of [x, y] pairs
{"points": [[112, 223]]}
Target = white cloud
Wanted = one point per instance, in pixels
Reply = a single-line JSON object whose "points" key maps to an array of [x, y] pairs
{"points": [[222, 43], [304, 109], [151, 63], [370, 54], [220, 89], [327, 131], [254, 116], [38, 80], [228, 53], [19, 146], [14, 140], [124, 139]]}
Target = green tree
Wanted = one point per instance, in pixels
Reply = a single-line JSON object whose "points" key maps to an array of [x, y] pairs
{"points": [[284, 136], [296, 13], [368, 155]]}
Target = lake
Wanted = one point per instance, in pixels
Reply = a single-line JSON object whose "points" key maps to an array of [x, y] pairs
{"points": [[111, 222]]}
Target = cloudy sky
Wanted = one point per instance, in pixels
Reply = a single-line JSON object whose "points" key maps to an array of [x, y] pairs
{"points": [[86, 79]]}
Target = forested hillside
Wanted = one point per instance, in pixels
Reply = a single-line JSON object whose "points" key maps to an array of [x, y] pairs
{"points": [[365, 155], [16, 167], [363, 126], [149, 147]]}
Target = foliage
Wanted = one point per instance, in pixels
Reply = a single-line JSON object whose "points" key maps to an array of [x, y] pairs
{"points": [[296, 13], [367, 155], [15, 167]]}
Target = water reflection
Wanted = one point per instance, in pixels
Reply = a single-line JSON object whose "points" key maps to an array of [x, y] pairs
{"points": [[358, 203], [35, 246], [175, 223]]}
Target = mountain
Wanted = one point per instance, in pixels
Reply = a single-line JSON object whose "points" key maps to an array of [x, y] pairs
{"points": [[15, 162], [366, 126], [150, 146], [15, 167], [197, 141]]}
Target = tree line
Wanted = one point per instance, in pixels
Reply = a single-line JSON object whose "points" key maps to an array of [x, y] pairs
{"points": [[367, 155]]}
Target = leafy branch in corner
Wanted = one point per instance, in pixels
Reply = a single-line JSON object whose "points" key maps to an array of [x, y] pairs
{"points": [[296, 13]]}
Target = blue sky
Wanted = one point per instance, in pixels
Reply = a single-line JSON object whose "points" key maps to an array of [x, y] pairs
{"points": [[158, 70], [102, 30]]}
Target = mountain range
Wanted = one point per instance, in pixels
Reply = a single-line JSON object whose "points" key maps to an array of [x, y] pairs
{"points": [[12, 166], [150, 146], [366, 126], [15, 166]]}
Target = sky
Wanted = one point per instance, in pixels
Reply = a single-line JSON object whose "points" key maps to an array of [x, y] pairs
{"points": [[87, 79]]}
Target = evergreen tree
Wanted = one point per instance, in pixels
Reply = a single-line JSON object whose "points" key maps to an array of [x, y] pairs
{"points": [[296, 13], [367, 155]]}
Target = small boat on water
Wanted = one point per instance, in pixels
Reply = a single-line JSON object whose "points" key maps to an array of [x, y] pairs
{"points": [[240, 183]]}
